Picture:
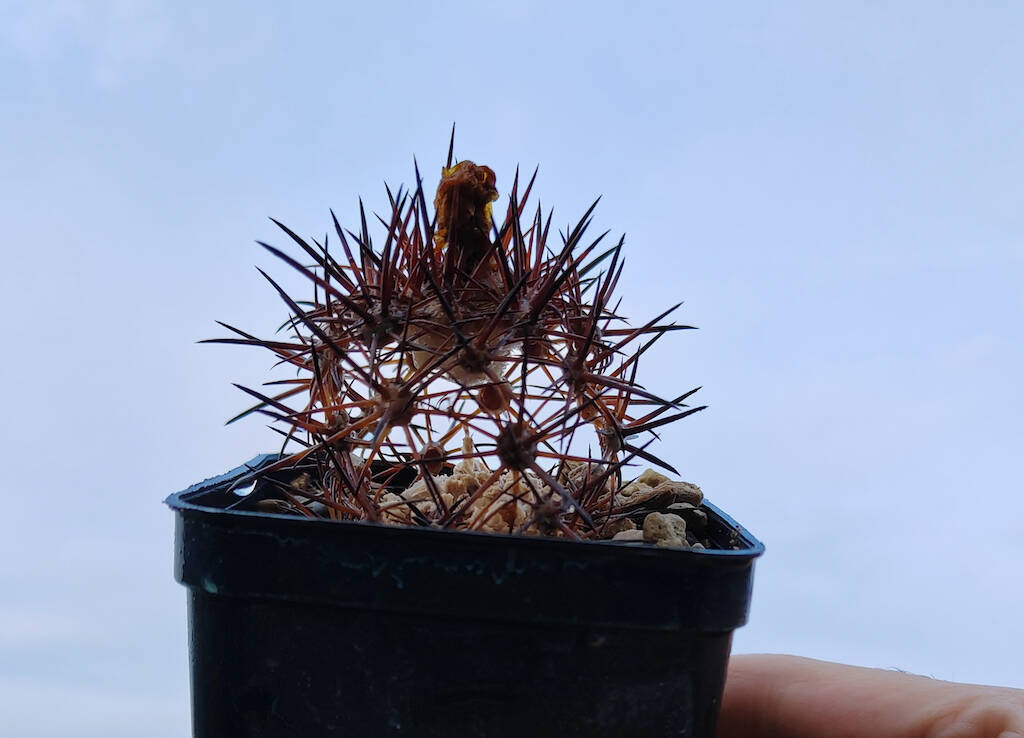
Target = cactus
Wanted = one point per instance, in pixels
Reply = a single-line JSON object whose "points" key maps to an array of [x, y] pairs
{"points": [[465, 374]]}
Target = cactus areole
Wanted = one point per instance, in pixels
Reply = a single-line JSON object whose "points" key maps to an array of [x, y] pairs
{"points": [[466, 531]]}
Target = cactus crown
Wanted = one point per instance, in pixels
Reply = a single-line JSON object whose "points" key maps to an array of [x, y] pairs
{"points": [[464, 374]]}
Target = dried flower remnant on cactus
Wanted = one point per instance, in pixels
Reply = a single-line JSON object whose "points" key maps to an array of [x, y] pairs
{"points": [[465, 374], [463, 207]]}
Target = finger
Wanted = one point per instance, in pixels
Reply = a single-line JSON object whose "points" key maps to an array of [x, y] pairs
{"points": [[791, 697]]}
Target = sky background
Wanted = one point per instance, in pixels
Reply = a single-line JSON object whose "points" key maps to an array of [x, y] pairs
{"points": [[835, 190]]}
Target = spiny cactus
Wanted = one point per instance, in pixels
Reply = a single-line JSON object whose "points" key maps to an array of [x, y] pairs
{"points": [[465, 374]]}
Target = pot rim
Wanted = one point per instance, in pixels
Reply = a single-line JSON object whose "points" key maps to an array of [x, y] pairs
{"points": [[183, 501]]}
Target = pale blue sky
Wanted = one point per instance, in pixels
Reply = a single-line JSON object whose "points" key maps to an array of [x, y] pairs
{"points": [[834, 189]]}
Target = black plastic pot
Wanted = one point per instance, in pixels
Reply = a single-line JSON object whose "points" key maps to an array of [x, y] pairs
{"points": [[319, 628]]}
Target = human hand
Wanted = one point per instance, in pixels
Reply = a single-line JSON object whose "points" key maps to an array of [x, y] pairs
{"points": [[769, 696]]}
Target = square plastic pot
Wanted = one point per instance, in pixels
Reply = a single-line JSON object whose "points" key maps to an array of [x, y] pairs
{"points": [[302, 627]]}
